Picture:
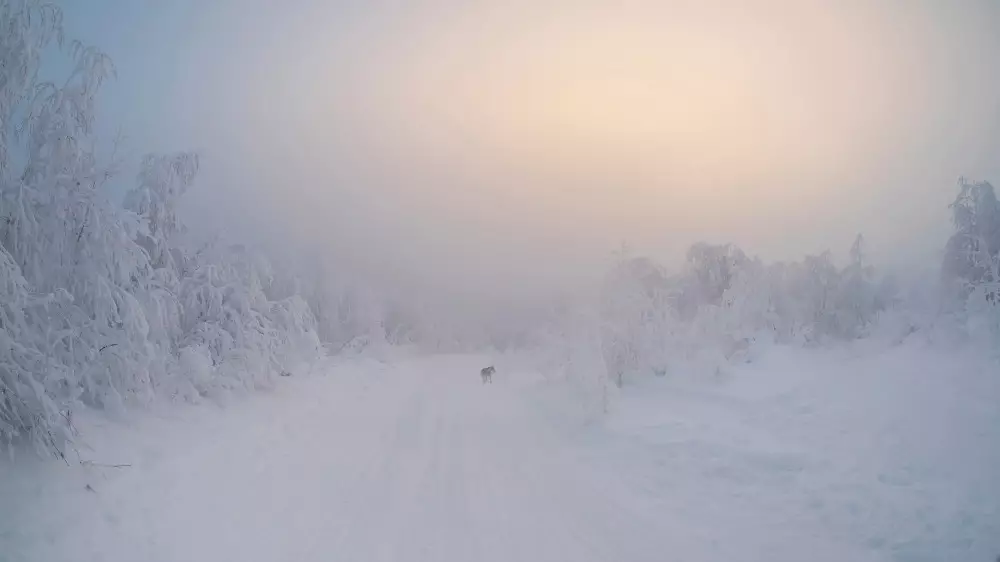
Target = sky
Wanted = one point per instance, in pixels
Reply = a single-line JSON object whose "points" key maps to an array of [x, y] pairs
{"points": [[509, 146]]}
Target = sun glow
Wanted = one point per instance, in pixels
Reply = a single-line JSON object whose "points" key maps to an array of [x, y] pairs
{"points": [[672, 117]]}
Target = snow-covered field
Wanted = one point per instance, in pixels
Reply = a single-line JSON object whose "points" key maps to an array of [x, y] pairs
{"points": [[802, 455]]}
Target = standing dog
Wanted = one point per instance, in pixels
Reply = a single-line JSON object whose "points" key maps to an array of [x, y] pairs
{"points": [[487, 374]]}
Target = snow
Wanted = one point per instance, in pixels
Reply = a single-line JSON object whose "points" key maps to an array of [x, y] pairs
{"points": [[802, 455]]}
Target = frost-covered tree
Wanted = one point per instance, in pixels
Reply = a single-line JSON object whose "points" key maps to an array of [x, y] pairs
{"points": [[747, 309], [35, 388], [972, 256], [724, 303], [858, 297], [361, 317], [712, 268], [162, 182], [976, 241], [63, 234], [983, 301], [100, 305], [812, 287], [637, 321]]}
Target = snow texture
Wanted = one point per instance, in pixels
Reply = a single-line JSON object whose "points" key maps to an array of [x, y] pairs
{"points": [[803, 456]]}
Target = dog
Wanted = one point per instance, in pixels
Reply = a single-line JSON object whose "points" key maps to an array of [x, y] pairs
{"points": [[487, 374]]}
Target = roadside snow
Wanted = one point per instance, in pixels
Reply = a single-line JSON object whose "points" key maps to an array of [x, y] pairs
{"points": [[897, 452], [800, 456]]}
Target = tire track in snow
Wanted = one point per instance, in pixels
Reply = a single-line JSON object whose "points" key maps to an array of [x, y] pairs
{"points": [[420, 463]]}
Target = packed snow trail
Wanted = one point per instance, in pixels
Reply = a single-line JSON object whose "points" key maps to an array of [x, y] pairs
{"points": [[420, 461]]}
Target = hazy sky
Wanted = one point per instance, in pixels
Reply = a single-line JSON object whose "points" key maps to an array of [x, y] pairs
{"points": [[519, 140]]}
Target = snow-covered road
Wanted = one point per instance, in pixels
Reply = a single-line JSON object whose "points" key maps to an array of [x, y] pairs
{"points": [[419, 461]]}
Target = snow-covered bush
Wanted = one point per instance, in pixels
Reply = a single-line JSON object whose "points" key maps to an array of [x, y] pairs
{"points": [[225, 310]]}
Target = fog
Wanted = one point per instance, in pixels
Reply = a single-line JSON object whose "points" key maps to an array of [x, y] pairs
{"points": [[503, 149], [401, 223]]}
